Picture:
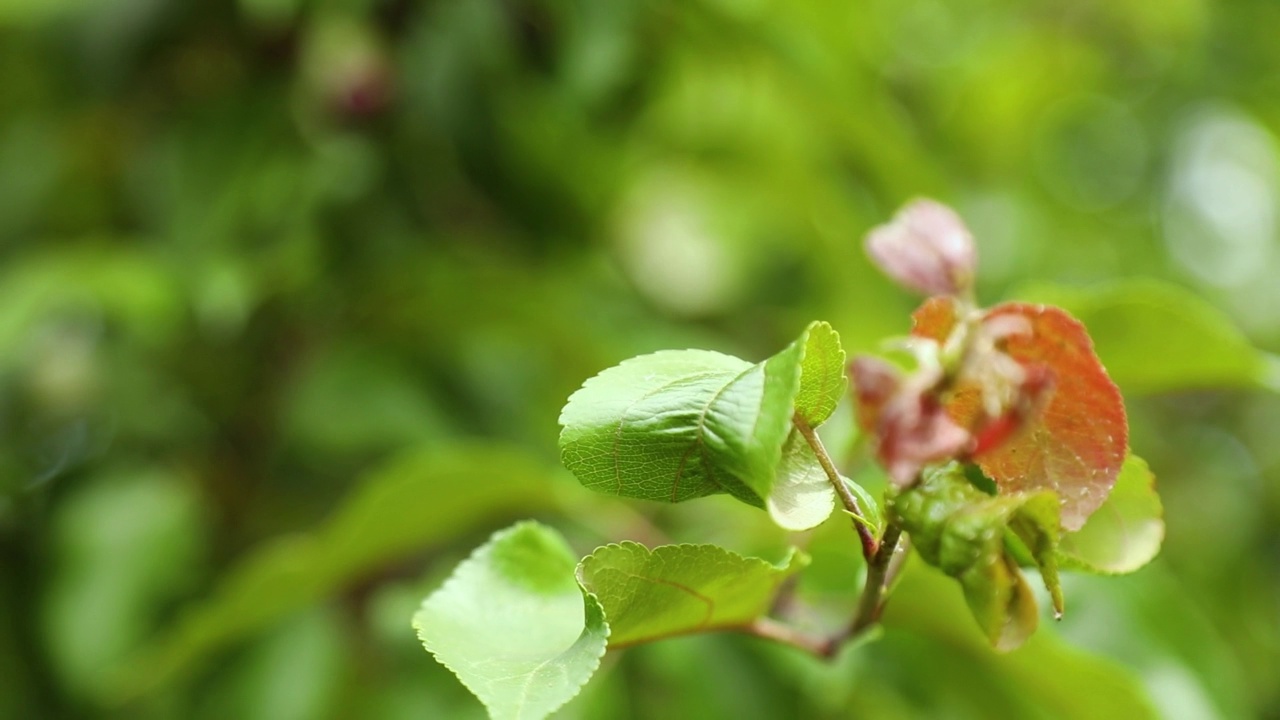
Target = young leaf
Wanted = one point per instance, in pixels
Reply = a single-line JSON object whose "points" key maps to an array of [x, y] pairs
{"points": [[513, 625], [962, 531], [803, 496], [1035, 523], [683, 424], [1077, 443], [679, 589], [822, 375], [1126, 532]]}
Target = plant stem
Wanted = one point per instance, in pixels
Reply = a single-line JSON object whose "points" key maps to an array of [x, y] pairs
{"points": [[883, 565], [869, 544], [871, 603]]}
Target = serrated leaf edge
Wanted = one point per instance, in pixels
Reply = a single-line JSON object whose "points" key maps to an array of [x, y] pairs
{"points": [[794, 561]]}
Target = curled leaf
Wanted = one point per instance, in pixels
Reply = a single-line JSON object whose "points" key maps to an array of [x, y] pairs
{"points": [[682, 424], [966, 534], [802, 497]]}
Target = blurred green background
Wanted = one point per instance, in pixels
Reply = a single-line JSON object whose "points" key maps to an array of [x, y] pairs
{"points": [[291, 292]]}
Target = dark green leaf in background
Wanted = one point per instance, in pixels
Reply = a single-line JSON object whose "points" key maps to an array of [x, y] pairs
{"points": [[1158, 337], [414, 502]]}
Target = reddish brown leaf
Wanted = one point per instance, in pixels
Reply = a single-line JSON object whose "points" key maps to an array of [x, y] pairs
{"points": [[1076, 445]]}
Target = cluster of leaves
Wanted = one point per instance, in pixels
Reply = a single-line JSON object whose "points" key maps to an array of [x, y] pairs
{"points": [[1005, 444]]}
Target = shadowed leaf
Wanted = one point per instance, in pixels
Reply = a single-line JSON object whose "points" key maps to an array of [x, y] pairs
{"points": [[424, 498]]}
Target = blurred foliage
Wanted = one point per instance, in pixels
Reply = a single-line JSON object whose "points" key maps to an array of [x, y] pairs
{"points": [[263, 255]]}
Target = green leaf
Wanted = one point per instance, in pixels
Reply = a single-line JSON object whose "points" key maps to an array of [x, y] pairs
{"points": [[963, 532], [1126, 532], [680, 589], [803, 496], [513, 625], [1035, 523], [124, 545], [419, 500], [823, 381], [1157, 337], [870, 507], [682, 424]]}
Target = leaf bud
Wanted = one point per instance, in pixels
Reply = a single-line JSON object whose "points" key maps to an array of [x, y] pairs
{"points": [[927, 248]]}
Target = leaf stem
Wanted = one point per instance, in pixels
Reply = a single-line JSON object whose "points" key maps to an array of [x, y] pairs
{"points": [[770, 629], [869, 544]]}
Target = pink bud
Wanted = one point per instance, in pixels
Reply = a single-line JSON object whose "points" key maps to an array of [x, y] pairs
{"points": [[925, 248]]}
